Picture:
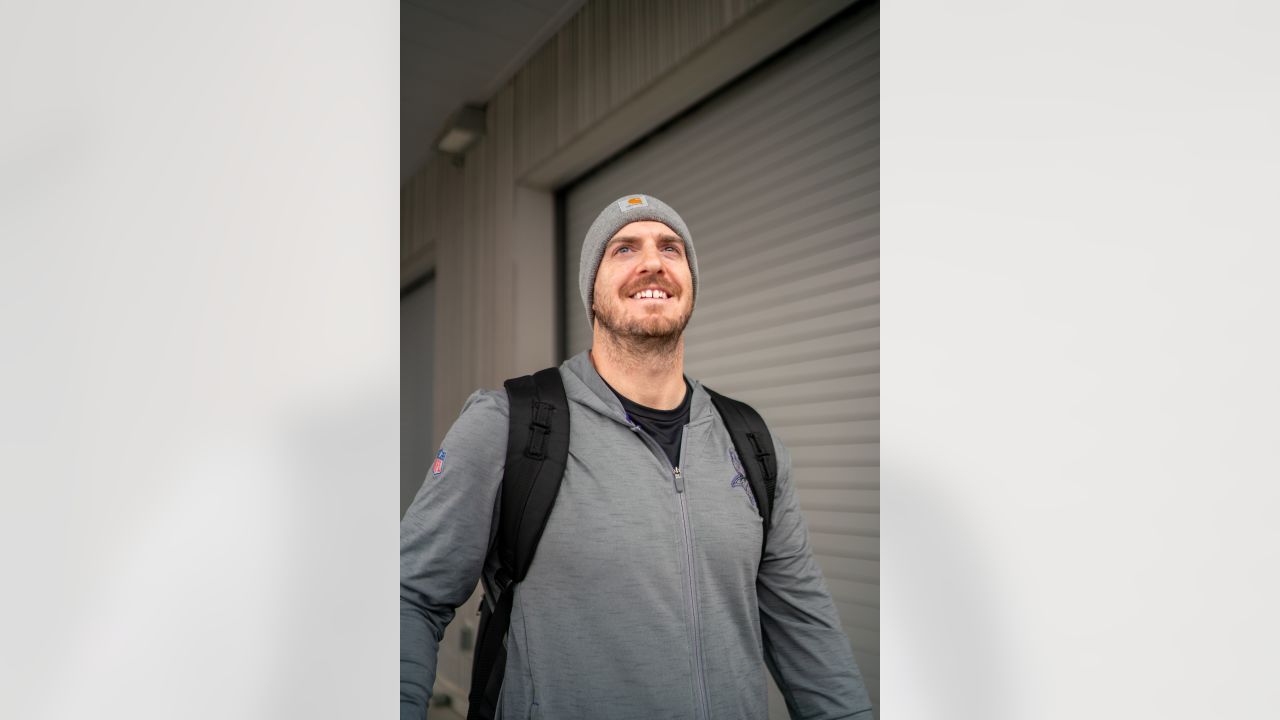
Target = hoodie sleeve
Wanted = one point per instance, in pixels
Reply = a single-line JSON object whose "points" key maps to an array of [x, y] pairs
{"points": [[444, 538], [804, 646]]}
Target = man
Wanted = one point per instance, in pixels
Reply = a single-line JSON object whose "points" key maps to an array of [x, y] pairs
{"points": [[648, 596]]}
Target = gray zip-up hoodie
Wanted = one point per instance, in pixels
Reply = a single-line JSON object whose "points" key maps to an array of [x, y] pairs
{"points": [[648, 596]]}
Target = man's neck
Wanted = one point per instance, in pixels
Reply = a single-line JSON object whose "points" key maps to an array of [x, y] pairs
{"points": [[653, 379]]}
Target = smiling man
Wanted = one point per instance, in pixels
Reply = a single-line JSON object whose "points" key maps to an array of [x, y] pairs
{"points": [[666, 573]]}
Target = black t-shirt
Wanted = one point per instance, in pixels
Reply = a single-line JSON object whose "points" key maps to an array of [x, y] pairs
{"points": [[665, 426]]}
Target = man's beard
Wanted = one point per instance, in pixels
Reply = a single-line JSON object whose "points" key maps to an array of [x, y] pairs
{"points": [[642, 336]]}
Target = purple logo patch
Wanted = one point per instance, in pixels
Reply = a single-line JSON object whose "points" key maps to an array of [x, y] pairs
{"points": [[740, 479]]}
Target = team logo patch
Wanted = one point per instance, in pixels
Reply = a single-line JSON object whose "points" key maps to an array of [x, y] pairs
{"points": [[635, 201], [437, 467], [740, 479]]}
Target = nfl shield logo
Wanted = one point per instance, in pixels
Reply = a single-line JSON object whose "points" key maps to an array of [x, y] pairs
{"points": [[437, 467]]}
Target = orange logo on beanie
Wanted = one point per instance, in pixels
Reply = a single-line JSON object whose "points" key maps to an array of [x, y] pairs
{"points": [[634, 201]]}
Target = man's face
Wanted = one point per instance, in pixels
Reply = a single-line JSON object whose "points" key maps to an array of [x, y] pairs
{"points": [[644, 288]]}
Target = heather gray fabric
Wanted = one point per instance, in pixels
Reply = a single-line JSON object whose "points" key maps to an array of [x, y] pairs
{"points": [[617, 214], [648, 597]]}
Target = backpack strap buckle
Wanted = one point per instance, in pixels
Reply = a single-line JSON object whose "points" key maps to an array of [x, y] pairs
{"points": [[539, 431], [762, 456]]}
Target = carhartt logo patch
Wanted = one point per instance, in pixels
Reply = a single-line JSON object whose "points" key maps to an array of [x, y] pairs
{"points": [[437, 467], [740, 479], [634, 201]]}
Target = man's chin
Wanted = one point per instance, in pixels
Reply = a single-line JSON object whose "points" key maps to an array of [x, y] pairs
{"points": [[664, 332], [647, 329], [655, 328]]}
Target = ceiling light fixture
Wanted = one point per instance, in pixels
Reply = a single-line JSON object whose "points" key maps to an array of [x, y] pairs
{"points": [[461, 130]]}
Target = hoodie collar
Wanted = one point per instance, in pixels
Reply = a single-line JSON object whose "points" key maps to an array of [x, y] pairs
{"points": [[600, 398]]}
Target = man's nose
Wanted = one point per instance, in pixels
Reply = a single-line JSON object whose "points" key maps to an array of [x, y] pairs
{"points": [[651, 259]]}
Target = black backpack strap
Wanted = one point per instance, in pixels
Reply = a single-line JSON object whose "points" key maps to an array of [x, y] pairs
{"points": [[754, 444], [490, 659], [537, 450]]}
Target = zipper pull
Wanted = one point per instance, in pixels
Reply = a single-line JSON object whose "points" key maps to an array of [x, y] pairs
{"points": [[679, 479]]}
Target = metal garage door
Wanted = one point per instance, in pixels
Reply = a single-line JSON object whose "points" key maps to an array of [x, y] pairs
{"points": [[778, 180]]}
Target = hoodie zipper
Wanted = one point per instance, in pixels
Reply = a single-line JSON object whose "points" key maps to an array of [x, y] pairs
{"points": [[702, 702]]}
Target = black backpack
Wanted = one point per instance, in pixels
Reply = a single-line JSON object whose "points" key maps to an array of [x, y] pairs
{"points": [[537, 449]]}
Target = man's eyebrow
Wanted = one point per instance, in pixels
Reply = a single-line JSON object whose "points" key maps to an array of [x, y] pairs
{"points": [[665, 238]]}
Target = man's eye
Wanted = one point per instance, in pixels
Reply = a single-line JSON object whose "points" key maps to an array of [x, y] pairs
{"points": [[621, 249], [673, 248]]}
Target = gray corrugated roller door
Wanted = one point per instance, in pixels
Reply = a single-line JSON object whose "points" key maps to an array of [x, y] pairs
{"points": [[778, 180]]}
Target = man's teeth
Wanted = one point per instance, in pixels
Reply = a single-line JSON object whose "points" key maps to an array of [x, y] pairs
{"points": [[650, 294]]}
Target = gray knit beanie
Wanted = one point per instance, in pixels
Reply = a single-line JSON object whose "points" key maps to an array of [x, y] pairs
{"points": [[617, 214]]}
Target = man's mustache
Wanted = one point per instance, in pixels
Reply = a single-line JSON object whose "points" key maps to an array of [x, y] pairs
{"points": [[667, 288]]}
